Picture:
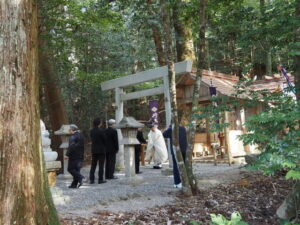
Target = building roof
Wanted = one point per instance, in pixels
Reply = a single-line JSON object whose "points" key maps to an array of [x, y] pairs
{"points": [[225, 83]]}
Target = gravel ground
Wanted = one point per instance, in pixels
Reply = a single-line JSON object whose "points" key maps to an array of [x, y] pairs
{"points": [[146, 190]]}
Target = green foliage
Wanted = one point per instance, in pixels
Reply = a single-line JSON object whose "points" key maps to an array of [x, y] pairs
{"points": [[235, 219]]}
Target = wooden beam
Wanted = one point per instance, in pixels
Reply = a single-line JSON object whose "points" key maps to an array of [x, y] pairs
{"points": [[144, 93], [148, 75]]}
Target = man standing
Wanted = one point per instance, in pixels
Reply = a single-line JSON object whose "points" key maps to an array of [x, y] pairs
{"points": [[75, 155], [137, 149], [112, 148], [183, 146], [97, 135]]}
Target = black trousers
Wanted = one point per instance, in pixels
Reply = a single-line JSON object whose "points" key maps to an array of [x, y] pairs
{"points": [[74, 167], [97, 158], [137, 153], [110, 165]]}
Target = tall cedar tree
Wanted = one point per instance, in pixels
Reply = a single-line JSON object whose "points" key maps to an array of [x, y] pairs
{"points": [[201, 64], [24, 194], [186, 187]]}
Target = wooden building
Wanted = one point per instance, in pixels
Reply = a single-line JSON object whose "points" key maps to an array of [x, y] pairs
{"points": [[224, 84]]}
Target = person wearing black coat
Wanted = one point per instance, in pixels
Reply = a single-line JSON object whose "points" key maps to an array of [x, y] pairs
{"points": [[183, 146], [97, 135], [137, 150], [112, 146], [75, 155]]}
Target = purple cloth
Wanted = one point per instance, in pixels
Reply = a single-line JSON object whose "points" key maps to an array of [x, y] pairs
{"points": [[153, 104]]}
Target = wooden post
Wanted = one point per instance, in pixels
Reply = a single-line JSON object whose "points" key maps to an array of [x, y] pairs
{"points": [[227, 140], [119, 116]]}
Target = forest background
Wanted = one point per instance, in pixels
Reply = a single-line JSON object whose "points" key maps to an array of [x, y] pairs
{"points": [[86, 42]]}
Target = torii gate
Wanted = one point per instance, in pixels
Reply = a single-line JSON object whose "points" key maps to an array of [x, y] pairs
{"points": [[149, 75]]}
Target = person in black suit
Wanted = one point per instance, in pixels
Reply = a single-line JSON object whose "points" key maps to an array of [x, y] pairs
{"points": [[112, 145], [137, 150], [75, 155], [97, 135]]}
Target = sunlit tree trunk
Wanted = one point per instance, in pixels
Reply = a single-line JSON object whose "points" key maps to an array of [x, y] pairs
{"points": [[24, 196], [201, 64], [171, 74], [183, 33]]}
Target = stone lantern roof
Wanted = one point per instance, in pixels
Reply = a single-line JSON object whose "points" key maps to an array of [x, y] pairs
{"points": [[128, 122]]}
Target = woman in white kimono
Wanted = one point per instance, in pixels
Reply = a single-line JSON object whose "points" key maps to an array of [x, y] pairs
{"points": [[156, 147]]}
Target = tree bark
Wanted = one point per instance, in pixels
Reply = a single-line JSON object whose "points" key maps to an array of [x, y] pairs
{"points": [[24, 194], [201, 64], [183, 34], [156, 35], [186, 187]]}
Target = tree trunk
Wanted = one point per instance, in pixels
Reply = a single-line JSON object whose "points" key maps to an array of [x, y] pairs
{"points": [[266, 48], [183, 34], [156, 35], [24, 195], [186, 187], [54, 101], [201, 64]]}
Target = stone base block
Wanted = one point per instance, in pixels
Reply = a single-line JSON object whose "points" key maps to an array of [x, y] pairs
{"points": [[53, 165]]}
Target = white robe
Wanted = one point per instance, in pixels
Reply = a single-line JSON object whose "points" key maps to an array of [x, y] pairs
{"points": [[156, 147]]}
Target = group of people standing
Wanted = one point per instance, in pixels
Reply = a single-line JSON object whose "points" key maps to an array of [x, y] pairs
{"points": [[104, 148]]}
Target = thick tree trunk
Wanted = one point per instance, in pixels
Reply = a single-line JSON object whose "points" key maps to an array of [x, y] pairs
{"points": [[156, 34], [183, 34], [23, 189], [186, 187], [201, 64]]}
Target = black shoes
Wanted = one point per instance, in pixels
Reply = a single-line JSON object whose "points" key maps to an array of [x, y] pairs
{"points": [[72, 186], [139, 172], [92, 182], [101, 181]]}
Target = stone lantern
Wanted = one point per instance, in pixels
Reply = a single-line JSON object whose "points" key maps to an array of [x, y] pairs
{"points": [[129, 126], [64, 133]]}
